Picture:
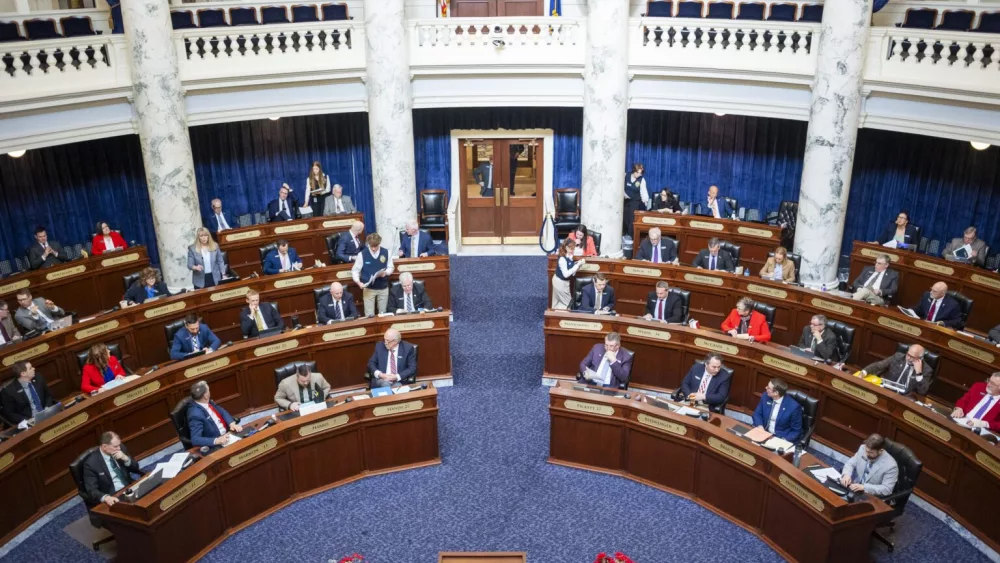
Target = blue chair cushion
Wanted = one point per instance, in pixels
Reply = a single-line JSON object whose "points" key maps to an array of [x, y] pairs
{"points": [[183, 19], [689, 9], [957, 20], [243, 16], [660, 9], [720, 10], [274, 14], [304, 14], [41, 29], [751, 11], [922, 18], [10, 32], [334, 12], [989, 22], [782, 12], [77, 26], [812, 13], [212, 18]]}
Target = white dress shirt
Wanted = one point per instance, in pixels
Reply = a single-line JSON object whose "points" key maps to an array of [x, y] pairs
{"points": [[115, 479], [206, 256], [874, 280], [219, 423], [108, 243], [936, 306], [221, 220], [714, 206], [774, 415], [988, 399]]}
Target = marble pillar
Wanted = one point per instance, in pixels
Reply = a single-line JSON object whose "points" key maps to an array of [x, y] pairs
{"points": [[163, 134], [833, 130], [605, 111], [390, 117]]}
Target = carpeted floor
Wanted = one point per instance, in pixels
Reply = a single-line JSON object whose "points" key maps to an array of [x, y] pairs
{"points": [[494, 490]]}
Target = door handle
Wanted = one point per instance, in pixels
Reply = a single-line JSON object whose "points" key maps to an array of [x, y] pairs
{"points": [[506, 197], [496, 195]]}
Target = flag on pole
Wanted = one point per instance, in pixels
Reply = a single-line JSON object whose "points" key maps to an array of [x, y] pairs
{"points": [[547, 235], [442, 8], [555, 7]]}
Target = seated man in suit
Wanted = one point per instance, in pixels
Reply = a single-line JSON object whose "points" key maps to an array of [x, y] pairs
{"points": [[607, 365], [44, 254], [304, 387], [908, 371], [336, 305], [994, 334], [350, 243], [745, 323], [876, 283], [714, 258], [977, 254], [106, 471], [337, 203], [980, 406], [598, 297], [285, 207], [407, 296], [22, 398], [194, 337], [37, 313], [393, 361], [778, 415], [661, 305], [657, 249], [219, 220], [415, 243], [147, 286], [483, 175], [717, 206], [872, 470], [707, 382], [938, 307], [257, 316], [209, 423], [818, 340], [8, 330], [283, 259]]}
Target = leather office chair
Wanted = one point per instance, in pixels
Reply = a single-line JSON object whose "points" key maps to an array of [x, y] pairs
{"points": [[732, 249], [289, 369], [567, 206], [318, 294], [130, 279], [685, 296], [76, 472], [245, 220], [113, 349], [796, 259], [264, 251], [810, 408], [229, 271], [721, 408], [433, 210], [578, 291], [597, 240], [909, 471], [931, 358], [845, 338], [628, 376], [178, 415], [332, 241], [964, 304], [407, 381], [171, 330], [734, 203], [767, 311]]}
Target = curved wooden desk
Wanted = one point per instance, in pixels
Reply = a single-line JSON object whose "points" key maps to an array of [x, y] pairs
{"points": [[139, 330], [753, 487], [961, 472], [918, 272], [74, 285], [34, 474], [236, 486], [692, 232]]}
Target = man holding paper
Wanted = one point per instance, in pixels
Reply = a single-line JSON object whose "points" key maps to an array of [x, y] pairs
{"points": [[707, 382], [607, 364], [980, 406], [777, 414], [371, 271], [209, 423], [969, 248], [304, 387]]}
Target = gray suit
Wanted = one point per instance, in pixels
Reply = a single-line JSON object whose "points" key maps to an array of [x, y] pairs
{"points": [[196, 259], [10, 328], [882, 476], [330, 205], [289, 392], [978, 246], [29, 323]]}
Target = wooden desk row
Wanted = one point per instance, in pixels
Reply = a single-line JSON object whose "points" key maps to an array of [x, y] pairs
{"points": [[86, 286], [753, 487], [236, 486], [34, 474], [139, 330], [961, 472], [918, 272], [692, 233]]}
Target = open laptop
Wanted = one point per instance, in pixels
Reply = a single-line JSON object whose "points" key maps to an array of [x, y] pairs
{"points": [[144, 486], [48, 412], [804, 353]]}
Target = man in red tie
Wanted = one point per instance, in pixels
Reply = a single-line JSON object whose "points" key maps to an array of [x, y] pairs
{"points": [[937, 307], [394, 361], [208, 423], [662, 305]]}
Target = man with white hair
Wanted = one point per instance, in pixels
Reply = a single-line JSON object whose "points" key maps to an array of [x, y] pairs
{"points": [[350, 243], [220, 220], [414, 243], [336, 305], [394, 361], [407, 297], [337, 203], [657, 249]]}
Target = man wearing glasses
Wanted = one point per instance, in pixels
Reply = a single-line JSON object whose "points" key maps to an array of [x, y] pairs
{"points": [[394, 361], [220, 221], [816, 339], [903, 373], [980, 406]]}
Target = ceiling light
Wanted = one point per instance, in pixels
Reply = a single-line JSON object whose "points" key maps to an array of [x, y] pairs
{"points": [[975, 144], [720, 114], [274, 118], [19, 154]]}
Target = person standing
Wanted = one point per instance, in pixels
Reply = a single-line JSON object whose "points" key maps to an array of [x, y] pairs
{"points": [[636, 196], [205, 260], [566, 268], [317, 188], [371, 272]]}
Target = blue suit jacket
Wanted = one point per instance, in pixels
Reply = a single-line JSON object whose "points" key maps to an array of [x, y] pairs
{"points": [[327, 312], [213, 222], [203, 430], [346, 249], [725, 210], [718, 388], [788, 425], [589, 297], [950, 314], [272, 264], [424, 244], [272, 210], [183, 346]]}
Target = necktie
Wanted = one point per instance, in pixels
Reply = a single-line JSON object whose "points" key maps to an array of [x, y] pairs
{"points": [[597, 299], [35, 399], [284, 208], [659, 309], [770, 417], [304, 391], [340, 207], [703, 388], [392, 362], [118, 470], [220, 420], [339, 311], [3, 332], [933, 310], [864, 476], [711, 263], [222, 222], [489, 176], [602, 372], [656, 254], [871, 279], [984, 409], [259, 319], [45, 245], [409, 302], [413, 245], [195, 345]]}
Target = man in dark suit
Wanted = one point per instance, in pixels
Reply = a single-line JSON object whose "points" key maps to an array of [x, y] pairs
{"points": [[209, 423], [26, 395], [219, 220], [148, 286], [107, 470], [938, 307], [657, 249], [414, 243], [408, 296], [876, 283], [717, 206], [257, 316], [394, 361], [597, 297], [336, 305], [350, 243], [283, 259], [607, 364], [818, 340], [285, 208], [661, 305], [483, 175], [909, 372], [707, 382], [45, 254], [777, 414], [714, 258], [195, 336]]}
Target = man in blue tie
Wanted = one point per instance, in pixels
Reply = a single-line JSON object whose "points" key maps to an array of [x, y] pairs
{"points": [[195, 337], [26, 395]]}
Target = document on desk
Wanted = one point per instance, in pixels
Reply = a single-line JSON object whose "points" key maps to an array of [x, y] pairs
{"points": [[359, 397], [776, 443], [826, 473], [309, 408], [687, 411], [231, 439], [908, 312], [173, 467], [891, 244], [401, 389], [758, 435], [119, 382]]}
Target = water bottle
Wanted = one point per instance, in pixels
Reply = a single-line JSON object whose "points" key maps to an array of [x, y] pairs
{"points": [[746, 272], [824, 287], [797, 456]]}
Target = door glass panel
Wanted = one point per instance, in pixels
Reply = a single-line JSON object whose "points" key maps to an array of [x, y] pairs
{"points": [[524, 167], [479, 172]]}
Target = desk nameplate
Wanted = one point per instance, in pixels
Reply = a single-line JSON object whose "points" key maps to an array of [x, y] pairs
{"points": [[988, 462], [648, 333], [927, 426], [229, 294], [291, 229], [186, 490], [977, 278], [706, 280], [872, 253], [661, 424], [137, 393], [716, 346], [252, 453], [901, 327], [782, 364], [971, 351], [592, 268], [6, 460], [324, 425], [590, 408], [276, 347], [413, 325], [338, 223], [766, 290], [398, 408], [63, 427], [419, 267], [638, 271], [707, 226], [10, 287], [293, 282], [667, 221], [855, 391], [95, 330], [243, 236], [67, 273], [165, 310], [206, 367], [831, 306], [124, 259], [345, 275], [731, 451], [344, 334], [932, 267], [581, 325], [798, 490], [755, 232], [26, 354]]}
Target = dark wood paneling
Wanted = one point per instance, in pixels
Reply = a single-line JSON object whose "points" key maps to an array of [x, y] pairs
{"points": [[750, 237], [306, 236]]}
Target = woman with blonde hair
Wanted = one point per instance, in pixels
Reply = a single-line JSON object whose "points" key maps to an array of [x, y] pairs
{"points": [[205, 260], [101, 368], [779, 267], [566, 268]]}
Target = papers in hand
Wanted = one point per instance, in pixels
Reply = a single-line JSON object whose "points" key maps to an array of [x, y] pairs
{"points": [[908, 312], [964, 252], [171, 468], [891, 244], [826, 473], [311, 407], [231, 439], [776, 443], [591, 376], [306, 209]]}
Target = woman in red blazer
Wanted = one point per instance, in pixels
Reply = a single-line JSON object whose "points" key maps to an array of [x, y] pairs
{"points": [[579, 235], [101, 367], [757, 329], [106, 240]]}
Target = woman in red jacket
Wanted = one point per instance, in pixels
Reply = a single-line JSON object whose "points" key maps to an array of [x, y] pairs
{"points": [[101, 367], [106, 240], [584, 242], [744, 322]]}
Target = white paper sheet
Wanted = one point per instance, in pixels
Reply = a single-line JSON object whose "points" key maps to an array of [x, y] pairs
{"points": [[309, 408], [826, 473]]}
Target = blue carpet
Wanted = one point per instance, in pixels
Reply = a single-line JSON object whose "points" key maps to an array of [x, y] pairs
{"points": [[494, 490]]}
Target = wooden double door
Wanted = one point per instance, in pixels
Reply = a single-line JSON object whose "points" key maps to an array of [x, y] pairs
{"points": [[501, 190], [496, 8]]}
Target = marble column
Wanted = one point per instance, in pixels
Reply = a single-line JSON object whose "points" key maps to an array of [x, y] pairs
{"points": [[163, 134], [605, 111], [830, 142], [390, 117]]}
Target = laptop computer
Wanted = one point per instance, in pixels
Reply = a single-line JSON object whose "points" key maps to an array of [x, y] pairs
{"points": [[48, 412], [144, 486], [803, 352]]}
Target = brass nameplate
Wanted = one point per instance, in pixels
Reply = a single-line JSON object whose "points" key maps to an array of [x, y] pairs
{"points": [[68, 272], [784, 365], [669, 221], [716, 346], [291, 229], [323, 425], [229, 294], [927, 426], [206, 367], [931, 266], [276, 347], [648, 333], [661, 424], [801, 492], [419, 267], [707, 280], [735, 453], [831, 306], [590, 268], [705, 225], [136, 393], [26, 354], [582, 325], [183, 492], [591, 408], [901, 327], [855, 391], [872, 253], [293, 282], [256, 451], [7, 288], [971, 351], [64, 427], [765, 290], [243, 236], [6, 460], [978, 278], [413, 325], [165, 310], [345, 275], [762, 233], [398, 408], [636, 271], [344, 334], [338, 223], [982, 457], [95, 330], [124, 259]]}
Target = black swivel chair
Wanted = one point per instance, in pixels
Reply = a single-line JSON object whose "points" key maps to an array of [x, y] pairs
{"points": [[767, 311], [845, 338], [434, 211], [76, 471], [318, 294], [289, 369], [685, 296], [332, 242], [567, 206], [264, 251], [597, 241], [931, 358], [114, 349], [734, 204], [578, 286], [171, 330], [178, 415], [796, 260], [628, 376], [810, 408], [130, 279], [732, 249], [721, 408], [964, 304], [909, 471], [407, 381]]}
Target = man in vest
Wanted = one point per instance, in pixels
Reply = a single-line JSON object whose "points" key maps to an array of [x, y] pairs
{"points": [[371, 272]]}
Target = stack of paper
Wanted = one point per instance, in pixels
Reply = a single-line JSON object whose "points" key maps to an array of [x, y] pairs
{"points": [[402, 389], [776, 443], [826, 473], [758, 435], [309, 408], [908, 312], [688, 411]]}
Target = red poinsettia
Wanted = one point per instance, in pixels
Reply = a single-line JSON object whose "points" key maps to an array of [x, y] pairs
{"points": [[618, 557], [353, 558]]}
